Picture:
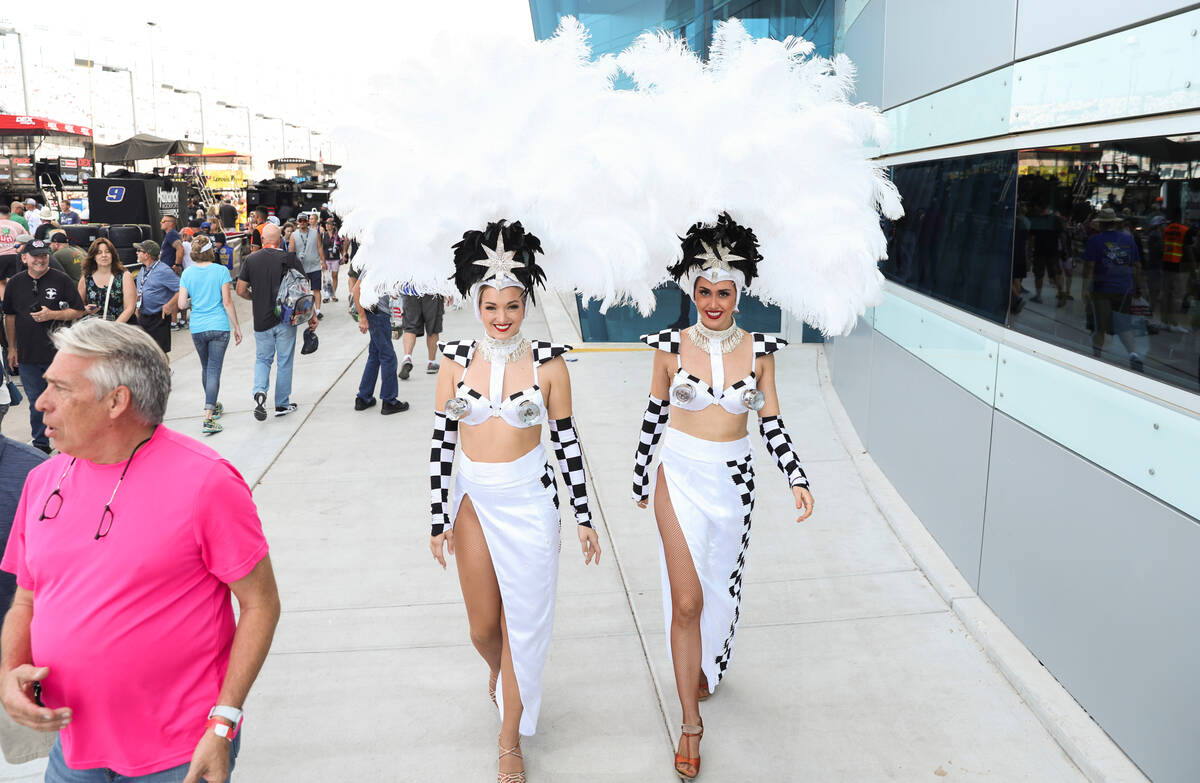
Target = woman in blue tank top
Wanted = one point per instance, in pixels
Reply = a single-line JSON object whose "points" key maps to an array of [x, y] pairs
{"points": [[206, 285]]}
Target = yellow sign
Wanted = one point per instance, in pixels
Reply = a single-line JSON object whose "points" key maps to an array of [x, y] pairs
{"points": [[226, 179]]}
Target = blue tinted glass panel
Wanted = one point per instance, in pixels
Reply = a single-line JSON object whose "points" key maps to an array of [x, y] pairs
{"points": [[955, 241], [624, 324], [1106, 258]]}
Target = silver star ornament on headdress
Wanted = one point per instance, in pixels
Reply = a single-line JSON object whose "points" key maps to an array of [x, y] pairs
{"points": [[718, 258], [499, 262]]}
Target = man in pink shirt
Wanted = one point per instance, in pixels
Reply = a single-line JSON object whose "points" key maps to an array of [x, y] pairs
{"points": [[126, 547]]}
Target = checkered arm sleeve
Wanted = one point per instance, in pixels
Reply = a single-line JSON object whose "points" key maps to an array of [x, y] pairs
{"points": [[653, 422], [570, 464], [441, 461], [779, 443]]}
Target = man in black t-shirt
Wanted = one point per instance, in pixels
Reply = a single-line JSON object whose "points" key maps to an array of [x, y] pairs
{"points": [[36, 302], [228, 213], [259, 280]]}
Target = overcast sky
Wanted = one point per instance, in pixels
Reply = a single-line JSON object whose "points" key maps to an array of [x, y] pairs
{"points": [[284, 59]]}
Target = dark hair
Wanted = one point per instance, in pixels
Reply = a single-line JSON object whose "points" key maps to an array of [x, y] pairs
{"points": [[726, 232], [467, 273], [5, 209], [89, 263], [263, 213]]}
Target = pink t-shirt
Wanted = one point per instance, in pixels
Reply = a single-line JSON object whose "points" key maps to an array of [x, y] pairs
{"points": [[136, 626]]}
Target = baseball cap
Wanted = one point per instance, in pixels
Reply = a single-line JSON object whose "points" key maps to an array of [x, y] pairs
{"points": [[206, 224], [1157, 220], [59, 236], [36, 247], [148, 246], [273, 220], [31, 201]]}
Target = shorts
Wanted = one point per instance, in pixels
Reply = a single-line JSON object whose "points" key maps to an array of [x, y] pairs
{"points": [[314, 280], [332, 264], [157, 327], [1046, 266], [1110, 312], [423, 314], [9, 265]]}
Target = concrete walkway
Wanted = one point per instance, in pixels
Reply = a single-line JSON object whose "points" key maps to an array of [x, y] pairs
{"points": [[851, 665]]}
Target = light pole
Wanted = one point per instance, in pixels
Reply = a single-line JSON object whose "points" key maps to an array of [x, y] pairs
{"points": [[282, 132], [115, 69], [304, 128], [21, 53], [249, 128], [153, 93], [312, 133], [201, 97]]}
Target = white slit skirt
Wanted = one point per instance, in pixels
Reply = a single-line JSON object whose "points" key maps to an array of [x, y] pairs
{"points": [[711, 485], [517, 505]]}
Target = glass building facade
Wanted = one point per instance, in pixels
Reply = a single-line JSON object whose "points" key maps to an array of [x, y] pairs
{"points": [[614, 24], [1014, 237]]}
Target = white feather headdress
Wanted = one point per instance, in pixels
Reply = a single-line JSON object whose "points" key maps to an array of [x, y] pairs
{"points": [[481, 130]]}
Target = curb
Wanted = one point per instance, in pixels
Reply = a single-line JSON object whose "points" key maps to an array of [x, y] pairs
{"points": [[1096, 755]]}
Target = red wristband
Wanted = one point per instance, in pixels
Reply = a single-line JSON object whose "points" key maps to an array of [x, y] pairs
{"points": [[223, 729]]}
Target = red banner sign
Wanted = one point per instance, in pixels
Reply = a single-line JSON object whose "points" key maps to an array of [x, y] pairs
{"points": [[11, 124]]}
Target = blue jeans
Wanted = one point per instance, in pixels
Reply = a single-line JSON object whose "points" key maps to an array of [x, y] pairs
{"points": [[277, 343], [59, 772], [31, 379], [381, 360], [210, 347]]}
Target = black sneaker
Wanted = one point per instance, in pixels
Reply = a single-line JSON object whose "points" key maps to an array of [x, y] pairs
{"points": [[260, 406], [320, 316], [283, 410], [361, 405], [406, 368], [396, 406]]}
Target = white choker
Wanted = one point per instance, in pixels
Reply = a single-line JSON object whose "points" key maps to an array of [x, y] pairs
{"points": [[505, 351], [726, 339]]}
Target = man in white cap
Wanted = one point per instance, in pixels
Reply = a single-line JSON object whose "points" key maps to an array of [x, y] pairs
{"points": [[31, 215]]}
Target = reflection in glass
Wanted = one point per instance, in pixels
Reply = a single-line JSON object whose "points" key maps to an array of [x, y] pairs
{"points": [[955, 241], [1109, 234], [625, 324]]}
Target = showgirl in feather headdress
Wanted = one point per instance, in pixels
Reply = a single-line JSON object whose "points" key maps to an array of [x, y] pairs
{"points": [[759, 150], [501, 517]]}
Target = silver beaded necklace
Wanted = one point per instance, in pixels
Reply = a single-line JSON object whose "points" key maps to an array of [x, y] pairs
{"points": [[504, 351], [726, 339]]}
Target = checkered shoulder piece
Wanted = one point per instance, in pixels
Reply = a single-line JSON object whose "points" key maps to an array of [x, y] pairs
{"points": [[544, 351], [459, 351], [765, 344], [667, 340]]}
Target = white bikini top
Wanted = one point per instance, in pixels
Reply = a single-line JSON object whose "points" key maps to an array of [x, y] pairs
{"points": [[690, 393], [525, 408]]}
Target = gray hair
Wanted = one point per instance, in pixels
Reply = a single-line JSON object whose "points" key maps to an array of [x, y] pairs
{"points": [[125, 356]]}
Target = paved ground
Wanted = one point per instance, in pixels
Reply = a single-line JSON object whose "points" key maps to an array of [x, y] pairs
{"points": [[850, 665]]}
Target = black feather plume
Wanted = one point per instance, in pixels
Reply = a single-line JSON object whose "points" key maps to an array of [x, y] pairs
{"points": [[725, 233], [467, 273]]}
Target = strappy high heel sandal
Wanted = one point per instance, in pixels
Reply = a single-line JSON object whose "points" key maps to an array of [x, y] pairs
{"points": [[492, 688], [682, 762], [511, 777]]}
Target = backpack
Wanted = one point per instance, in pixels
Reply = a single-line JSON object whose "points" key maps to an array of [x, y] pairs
{"points": [[294, 303]]}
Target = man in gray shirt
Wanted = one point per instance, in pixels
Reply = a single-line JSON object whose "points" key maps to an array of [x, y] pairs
{"points": [[306, 244]]}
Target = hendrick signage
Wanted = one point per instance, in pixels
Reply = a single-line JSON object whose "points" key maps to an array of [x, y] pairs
{"points": [[168, 201]]}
